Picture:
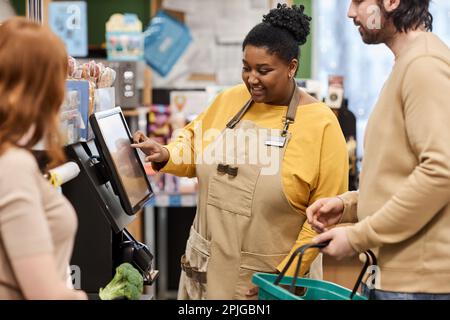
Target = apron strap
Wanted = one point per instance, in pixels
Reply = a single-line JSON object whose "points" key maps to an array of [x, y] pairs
{"points": [[292, 110], [233, 123], [295, 101], [290, 114]]}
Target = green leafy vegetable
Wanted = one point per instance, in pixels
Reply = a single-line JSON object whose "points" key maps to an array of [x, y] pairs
{"points": [[127, 283]]}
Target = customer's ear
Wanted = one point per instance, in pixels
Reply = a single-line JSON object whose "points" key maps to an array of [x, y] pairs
{"points": [[391, 5]]}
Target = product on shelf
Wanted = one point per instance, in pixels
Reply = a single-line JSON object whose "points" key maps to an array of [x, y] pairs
{"points": [[187, 185], [124, 37], [157, 178], [97, 73], [70, 121], [164, 120], [89, 89], [158, 125]]}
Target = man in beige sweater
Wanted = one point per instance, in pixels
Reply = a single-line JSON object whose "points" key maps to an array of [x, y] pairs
{"points": [[403, 204]]}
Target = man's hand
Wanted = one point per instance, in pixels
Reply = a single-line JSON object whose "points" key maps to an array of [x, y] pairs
{"points": [[339, 247], [325, 213], [252, 292], [154, 151]]}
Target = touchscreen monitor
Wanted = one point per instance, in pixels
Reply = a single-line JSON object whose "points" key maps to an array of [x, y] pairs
{"points": [[125, 167]]}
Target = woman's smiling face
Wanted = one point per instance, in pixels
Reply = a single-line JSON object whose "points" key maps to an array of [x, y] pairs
{"points": [[267, 77]]}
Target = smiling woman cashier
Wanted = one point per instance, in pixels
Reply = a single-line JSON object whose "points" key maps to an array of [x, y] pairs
{"points": [[251, 214]]}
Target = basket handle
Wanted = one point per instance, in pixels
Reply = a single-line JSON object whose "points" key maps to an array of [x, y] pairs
{"points": [[370, 260], [300, 252]]}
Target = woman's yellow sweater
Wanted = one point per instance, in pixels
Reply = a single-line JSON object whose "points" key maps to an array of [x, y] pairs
{"points": [[315, 163]]}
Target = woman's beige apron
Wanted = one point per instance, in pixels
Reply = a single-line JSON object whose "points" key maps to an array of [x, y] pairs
{"points": [[244, 222]]}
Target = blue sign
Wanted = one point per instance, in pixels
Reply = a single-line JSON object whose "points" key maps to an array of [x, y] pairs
{"points": [[82, 86], [165, 41], [68, 19]]}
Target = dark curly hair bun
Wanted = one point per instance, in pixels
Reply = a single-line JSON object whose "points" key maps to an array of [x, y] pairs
{"points": [[292, 19]]}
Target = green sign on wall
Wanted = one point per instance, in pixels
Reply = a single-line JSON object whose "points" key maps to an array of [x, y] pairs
{"points": [[306, 50]]}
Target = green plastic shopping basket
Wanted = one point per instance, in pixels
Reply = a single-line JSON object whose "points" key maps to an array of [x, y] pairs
{"points": [[270, 285]]}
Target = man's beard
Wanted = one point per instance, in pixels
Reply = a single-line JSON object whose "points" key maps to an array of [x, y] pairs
{"points": [[372, 36]]}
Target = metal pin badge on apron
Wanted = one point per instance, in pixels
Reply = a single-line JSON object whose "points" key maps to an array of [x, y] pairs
{"points": [[276, 142], [280, 141]]}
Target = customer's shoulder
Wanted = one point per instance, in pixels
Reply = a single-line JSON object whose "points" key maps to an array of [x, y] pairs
{"points": [[428, 48], [17, 158], [436, 47], [18, 171]]}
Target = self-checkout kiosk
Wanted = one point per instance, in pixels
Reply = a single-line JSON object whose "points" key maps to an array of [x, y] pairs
{"points": [[109, 191]]}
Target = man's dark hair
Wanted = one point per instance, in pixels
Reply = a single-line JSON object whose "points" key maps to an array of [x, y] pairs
{"points": [[410, 15], [282, 31]]}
